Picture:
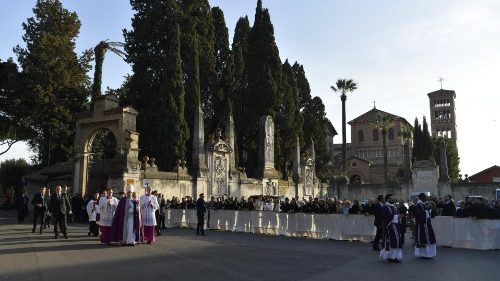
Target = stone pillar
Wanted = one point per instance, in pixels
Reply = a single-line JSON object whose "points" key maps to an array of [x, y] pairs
{"points": [[296, 162], [296, 174], [443, 169], [313, 156], [266, 167], [231, 141], [199, 164], [78, 182]]}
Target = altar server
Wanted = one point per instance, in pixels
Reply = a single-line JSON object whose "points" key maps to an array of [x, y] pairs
{"points": [[149, 204]]}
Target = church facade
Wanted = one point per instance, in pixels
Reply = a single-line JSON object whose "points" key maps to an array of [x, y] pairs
{"points": [[365, 153]]}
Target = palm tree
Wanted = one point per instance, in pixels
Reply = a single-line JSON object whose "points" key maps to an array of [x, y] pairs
{"points": [[344, 86], [384, 122], [99, 52]]}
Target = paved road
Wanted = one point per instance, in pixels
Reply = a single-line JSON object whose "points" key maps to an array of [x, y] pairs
{"points": [[180, 255]]}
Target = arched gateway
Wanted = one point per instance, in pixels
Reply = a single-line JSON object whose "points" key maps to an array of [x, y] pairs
{"points": [[106, 147]]}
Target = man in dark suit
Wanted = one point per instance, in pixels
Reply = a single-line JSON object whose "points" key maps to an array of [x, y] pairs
{"points": [[39, 203], [377, 212], [449, 207], [201, 209], [58, 207]]}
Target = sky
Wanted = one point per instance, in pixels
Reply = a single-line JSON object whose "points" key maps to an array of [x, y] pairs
{"points": [[395, 50]]}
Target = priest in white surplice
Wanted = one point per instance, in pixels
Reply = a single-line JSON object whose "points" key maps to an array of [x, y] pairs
{"points": [[106, 209], [149, 204]]}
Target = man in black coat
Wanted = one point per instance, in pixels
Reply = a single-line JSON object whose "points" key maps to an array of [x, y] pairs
{"points": [[449, 207], [201, 209], [59, 206], [377, 212], [39, 203]]}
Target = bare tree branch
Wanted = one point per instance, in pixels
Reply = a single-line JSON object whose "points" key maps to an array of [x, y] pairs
{"points": [[9, 144]]}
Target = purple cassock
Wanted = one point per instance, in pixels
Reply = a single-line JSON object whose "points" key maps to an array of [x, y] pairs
{"points": [[121, 223], [425, 240], [390, 230]]}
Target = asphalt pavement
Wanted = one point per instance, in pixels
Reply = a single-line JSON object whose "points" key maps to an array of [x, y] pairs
{"points": [[181, 255]]}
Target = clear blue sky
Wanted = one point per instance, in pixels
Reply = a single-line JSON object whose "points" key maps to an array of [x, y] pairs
{"points": [[395, 50]]}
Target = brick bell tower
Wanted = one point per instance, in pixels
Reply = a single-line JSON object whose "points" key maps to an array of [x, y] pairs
{"points": [[443, 113]]}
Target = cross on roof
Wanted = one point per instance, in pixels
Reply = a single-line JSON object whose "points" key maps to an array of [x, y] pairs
{"points": [[440, 80]]}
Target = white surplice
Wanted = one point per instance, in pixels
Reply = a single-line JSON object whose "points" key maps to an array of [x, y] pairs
{"points": [[92, 209], [149, 204], [106, 209]]}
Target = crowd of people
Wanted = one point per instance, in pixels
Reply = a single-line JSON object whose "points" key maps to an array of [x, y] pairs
{"points": [[470, 207]]}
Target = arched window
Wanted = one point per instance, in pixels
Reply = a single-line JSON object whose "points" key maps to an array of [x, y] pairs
{"points": [[361, 136], [375, 134], [391, 134]]}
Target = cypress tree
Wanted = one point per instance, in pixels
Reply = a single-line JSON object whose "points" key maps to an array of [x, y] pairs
{"points": [[314, 116], [150, 86], [197, 18], [289, 121], [192, 82], [222, 56], [427, 145], [53, 78], [417, 141], [175, 91], [240, 103], [303, 88], [263, 66], [241, 35]]}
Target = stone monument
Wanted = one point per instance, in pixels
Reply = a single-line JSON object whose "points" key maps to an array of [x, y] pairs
{"points": [[266, 169], [200, 169], [425, 177]]}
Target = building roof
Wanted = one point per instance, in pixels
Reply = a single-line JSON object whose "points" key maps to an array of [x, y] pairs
{"points": [[330, 128], [439, 92], [360, 159], [492, 168], [371, 117]]}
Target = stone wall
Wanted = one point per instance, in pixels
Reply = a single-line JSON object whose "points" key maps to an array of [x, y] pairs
{"points": [[487, 190], [171, 184], [370, 191]]}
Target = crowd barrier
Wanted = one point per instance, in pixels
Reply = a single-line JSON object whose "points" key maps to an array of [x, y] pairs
{"points": [[452, 232], [335, 226], [467, 233]]}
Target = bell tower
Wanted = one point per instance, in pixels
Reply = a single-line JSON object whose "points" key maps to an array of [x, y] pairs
{"points": [[443, 115]]}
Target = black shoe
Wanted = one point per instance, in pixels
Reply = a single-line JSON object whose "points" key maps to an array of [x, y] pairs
{"points": [[33, 230], [88, 234], [41, 231], [66, 237], [56, 237]]}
